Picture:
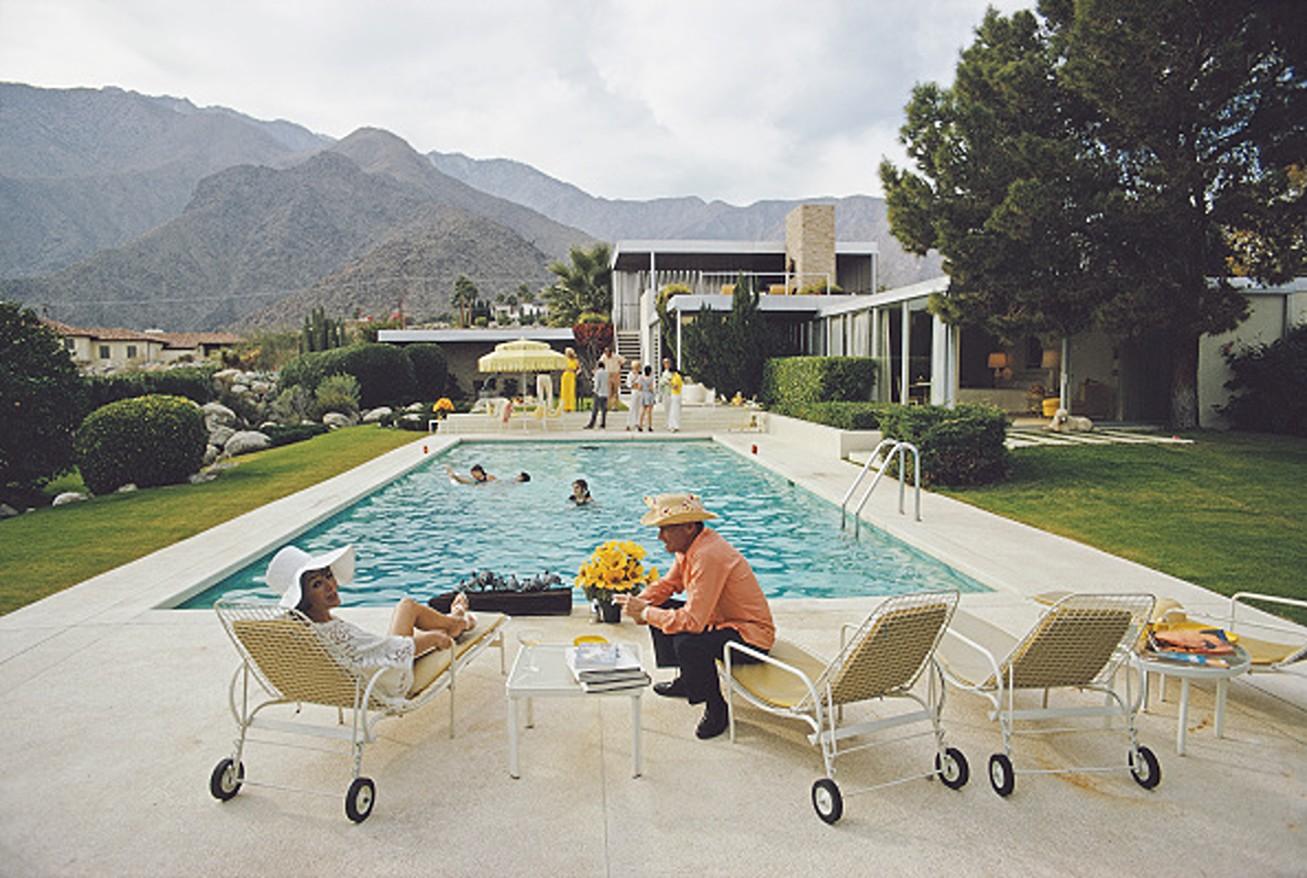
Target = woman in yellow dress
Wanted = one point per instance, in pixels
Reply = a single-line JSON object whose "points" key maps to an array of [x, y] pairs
{"points": [[568, 390]]}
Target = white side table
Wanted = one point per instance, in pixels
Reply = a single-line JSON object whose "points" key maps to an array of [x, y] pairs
{"points": [[540, 671], [1239, 664]]}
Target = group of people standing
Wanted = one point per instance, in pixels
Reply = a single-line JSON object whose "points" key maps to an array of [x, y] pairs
{"points": [[645, 391]]}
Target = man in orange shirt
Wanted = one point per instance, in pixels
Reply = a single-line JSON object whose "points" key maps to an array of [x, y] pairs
{"points": [[723, 602]]}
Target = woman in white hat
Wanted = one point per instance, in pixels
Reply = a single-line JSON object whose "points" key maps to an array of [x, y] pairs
{"points": [[308, 584]]}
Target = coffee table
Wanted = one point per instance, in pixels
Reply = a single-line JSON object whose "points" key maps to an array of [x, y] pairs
{"points": [[540, 671], [1239, 664]]}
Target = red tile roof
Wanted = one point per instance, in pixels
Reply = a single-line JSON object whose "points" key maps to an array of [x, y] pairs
{"points": [[167, 339]]}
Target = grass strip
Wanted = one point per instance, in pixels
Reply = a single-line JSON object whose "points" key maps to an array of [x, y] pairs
{"points": [[1228, 513], [50, 549]]}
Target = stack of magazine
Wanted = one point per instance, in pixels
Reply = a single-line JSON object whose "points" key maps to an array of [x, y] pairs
{"points": [[1207, 647], [606, 667]]}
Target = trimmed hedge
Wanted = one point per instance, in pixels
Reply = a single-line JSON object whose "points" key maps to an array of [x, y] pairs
{"points": [[384, 373], [430, 369], [285, 435], [193, 382], [788, 381], [959, 446], [149, 440], [841, 415]]}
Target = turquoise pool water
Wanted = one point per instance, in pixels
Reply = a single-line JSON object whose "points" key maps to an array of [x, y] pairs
{"points": [[422, 534]]}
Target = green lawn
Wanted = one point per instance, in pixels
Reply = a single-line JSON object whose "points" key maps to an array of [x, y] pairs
{"points": [[1228, 512], [50, 549]]}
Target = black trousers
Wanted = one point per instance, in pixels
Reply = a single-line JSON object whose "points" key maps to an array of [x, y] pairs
{"points": [[696, 655], [600, 408]]}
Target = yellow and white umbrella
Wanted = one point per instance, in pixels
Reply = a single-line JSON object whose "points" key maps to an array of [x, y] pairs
{"points": [[522, 356]]}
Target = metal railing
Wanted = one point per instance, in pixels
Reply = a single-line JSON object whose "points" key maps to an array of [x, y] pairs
{"points": [[895, 447]]}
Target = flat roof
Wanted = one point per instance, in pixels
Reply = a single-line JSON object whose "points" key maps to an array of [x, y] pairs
{"points": [[631, 253], [449, 336], [775, 304]]}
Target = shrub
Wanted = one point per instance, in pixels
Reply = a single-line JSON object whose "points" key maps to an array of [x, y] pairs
{"points": [[294, 433], [1270, 383], [292, 405], [818, 288], [338, 393], [42, 399], [193, 382], [960, 446], [791, 381], [430, 369], [384, 374], [149, 440], [842, 415]]}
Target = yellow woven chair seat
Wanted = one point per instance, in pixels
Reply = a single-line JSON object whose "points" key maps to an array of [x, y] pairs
{"points": [[428, 668], [774, 686]]}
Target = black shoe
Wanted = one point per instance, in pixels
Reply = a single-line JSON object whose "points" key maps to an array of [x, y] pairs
{"points": [[671, 689], [714, 722]]}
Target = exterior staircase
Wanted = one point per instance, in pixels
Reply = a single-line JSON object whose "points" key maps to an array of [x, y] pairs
{"points": [[628, 345]]}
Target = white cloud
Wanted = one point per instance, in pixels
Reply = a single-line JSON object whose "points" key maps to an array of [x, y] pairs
{"points": [[625, 98]]}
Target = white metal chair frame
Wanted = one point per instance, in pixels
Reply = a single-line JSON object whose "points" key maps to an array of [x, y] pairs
{"points": [[1249, 599], [1001, 687], [365, 707], [823, 712]]}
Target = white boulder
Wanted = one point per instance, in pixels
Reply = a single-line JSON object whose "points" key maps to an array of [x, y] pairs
{"points": [[377, 414], [219, 435], [416, 407], [7, 511], [126, 489], [211, 453], [335, 420], [218, 415], [239, 389], [246, 441], [69, 497]]}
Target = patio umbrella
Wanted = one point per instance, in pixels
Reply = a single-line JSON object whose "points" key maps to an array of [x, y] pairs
{"points": [[522, 356]]}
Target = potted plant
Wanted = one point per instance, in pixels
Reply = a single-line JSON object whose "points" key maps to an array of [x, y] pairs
{"points": [[443, 406], [613, 568]]}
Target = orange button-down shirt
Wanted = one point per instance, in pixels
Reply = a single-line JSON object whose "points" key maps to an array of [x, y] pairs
{"points": [[720, 592]]}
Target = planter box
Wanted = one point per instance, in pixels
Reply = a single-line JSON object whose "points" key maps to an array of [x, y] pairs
{"points": [[825, 440], [551, 602]]}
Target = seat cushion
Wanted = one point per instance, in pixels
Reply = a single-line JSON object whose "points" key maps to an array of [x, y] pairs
{"points": [[431, 666], [774, 686]]}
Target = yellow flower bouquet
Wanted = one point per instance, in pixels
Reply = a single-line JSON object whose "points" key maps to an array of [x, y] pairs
{"points": [[443, 406], [614, 568]]}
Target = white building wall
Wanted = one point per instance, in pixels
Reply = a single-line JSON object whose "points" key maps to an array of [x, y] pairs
{"points": [[1269, 318]]}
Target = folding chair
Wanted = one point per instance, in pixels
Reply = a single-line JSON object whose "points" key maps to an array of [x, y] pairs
{"points": [[882, 659], [1079, 643], [283, 654]]}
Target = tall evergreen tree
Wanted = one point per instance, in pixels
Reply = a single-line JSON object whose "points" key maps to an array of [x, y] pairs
{"points": [[1095, 165]]}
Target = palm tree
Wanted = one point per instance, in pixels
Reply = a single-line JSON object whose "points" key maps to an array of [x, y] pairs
{"points": [[464, 298], [584, 285]]}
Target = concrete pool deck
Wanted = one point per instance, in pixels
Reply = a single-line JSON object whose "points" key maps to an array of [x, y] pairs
{"points": [[117, 713]]}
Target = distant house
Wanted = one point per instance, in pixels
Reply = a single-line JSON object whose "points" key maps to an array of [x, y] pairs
{"points": [[99, 347], [810, 260]]}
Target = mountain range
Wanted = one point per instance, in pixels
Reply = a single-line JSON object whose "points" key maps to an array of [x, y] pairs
{"points": [[124, 209]]}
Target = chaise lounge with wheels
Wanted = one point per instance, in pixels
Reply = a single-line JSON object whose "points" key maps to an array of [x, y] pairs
{"points": [[282, 655], [880, 659], [1079, 643]]}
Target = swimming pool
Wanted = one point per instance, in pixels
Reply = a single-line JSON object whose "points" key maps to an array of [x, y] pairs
{"points": [[422, 534]]}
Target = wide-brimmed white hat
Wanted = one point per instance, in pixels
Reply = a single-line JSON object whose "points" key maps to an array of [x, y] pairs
{"points": [[674, 509], [289, 565]]}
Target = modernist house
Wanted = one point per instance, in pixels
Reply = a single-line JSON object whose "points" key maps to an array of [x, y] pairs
{"points": [[797, 278], [115, 347]]}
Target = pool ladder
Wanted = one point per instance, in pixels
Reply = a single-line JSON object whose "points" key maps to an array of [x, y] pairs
{"points": [[895, 448]]}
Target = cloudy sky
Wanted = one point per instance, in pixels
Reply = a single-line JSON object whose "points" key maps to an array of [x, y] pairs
{"points": [[624, 98]]}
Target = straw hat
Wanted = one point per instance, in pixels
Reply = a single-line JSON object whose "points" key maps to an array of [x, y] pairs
{"points": [[287, 568], [674, 509]]}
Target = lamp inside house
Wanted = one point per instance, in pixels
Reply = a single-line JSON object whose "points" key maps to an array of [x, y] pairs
{"points": [[998, 362], [1051, 360]]}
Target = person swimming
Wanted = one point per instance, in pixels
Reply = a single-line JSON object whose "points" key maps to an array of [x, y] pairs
{"points": [[580, 493], [478, 475]]}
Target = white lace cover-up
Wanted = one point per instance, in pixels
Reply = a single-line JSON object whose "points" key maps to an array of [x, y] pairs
{"points": [[365, 653]]}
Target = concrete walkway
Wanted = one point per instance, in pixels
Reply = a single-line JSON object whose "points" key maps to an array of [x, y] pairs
{"points": [[117, 713]]}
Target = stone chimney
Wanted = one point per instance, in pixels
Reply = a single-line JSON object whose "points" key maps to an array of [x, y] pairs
{"points": [[810, 244]]}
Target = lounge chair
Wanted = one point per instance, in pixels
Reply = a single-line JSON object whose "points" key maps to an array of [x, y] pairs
{"points": [[282, 653], [882, 659], [1272, 645], [1079, 643]]}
